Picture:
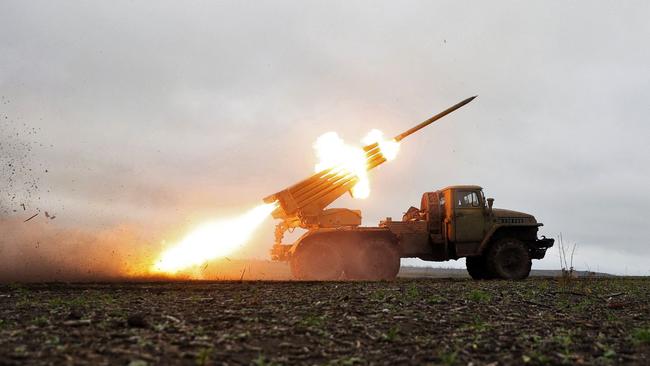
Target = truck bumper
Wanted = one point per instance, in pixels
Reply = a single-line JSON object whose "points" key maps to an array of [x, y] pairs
{"points": [[538, 249]]}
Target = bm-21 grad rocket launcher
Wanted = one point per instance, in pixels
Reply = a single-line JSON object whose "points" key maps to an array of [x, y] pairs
{"points": [[451, 223]]}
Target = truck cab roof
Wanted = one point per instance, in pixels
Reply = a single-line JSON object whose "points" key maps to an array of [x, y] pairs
{"points": [[469, 187]]}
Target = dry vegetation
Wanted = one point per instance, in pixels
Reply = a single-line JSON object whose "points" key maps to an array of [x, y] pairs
{"points": [[418, 321]]}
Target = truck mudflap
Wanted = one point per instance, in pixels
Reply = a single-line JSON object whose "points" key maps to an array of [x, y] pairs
{"points": [[538, 248]]}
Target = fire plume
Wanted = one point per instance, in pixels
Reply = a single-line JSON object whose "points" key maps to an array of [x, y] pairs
{"points": [[212, 240], [333, 153]]}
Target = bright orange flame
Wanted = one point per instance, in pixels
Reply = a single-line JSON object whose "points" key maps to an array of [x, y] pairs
{"points": [[334, 153], [212, 240]]}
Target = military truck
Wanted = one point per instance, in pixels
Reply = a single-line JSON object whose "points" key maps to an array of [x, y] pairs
{"points": [[457, 222], [450, 223]]}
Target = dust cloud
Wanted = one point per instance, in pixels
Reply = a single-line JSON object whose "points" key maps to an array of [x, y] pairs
{"points": [[40, 250]]}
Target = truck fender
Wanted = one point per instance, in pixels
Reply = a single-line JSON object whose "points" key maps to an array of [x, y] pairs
{"points": [[338, 235], [311, 234], [495, 228]]}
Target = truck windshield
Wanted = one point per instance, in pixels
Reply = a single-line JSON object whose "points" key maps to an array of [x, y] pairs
{"points": [[467, 199]]}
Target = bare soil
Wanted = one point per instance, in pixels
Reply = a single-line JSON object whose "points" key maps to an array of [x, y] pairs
{"points": [[408, 321]]}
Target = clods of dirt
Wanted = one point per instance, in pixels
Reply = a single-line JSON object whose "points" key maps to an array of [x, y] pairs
{"points": [[137, 320], [539, 321]]}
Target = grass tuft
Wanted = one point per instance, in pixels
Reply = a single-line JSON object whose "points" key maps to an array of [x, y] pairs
{"points": [[641, 336], [391, 335], [479, 296]]}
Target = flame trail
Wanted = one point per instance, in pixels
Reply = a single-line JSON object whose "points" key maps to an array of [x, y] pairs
{"points": [[212, 240]]}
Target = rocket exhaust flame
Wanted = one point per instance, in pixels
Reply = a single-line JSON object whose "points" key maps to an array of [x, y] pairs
{"points": [[347, 160], [212, 240]]}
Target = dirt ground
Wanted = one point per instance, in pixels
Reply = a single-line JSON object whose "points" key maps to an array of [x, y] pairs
{"points": [[408, 321]]}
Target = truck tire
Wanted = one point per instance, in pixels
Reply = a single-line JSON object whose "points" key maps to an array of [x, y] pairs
{"points": [[508, 259], [477, 267], [317, 260], [372, 260]]}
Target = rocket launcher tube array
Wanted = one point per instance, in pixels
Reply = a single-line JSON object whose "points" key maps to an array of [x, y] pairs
{"points": [[315, 193]]}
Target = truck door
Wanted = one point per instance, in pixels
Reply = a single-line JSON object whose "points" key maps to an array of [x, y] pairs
{"points": [[468, 216]]}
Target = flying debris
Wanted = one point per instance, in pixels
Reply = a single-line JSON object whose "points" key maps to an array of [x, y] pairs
{"points": [[31, 217]]}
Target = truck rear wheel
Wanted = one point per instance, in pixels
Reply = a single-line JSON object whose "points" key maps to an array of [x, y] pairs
{"points": [[477, 267], [508, 259], [371, 259], [317, 260]]}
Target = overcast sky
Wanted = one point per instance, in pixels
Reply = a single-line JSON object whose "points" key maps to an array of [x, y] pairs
{"points": [[157, 115]]}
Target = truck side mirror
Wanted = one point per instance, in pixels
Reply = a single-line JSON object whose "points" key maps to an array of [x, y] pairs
{"points": [[490, 203]]}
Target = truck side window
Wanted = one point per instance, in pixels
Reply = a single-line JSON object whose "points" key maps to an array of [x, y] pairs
{"points": [[467, 199]]}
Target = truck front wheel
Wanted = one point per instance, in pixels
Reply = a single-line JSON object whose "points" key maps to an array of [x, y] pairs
{"points": [[508, 259]]}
